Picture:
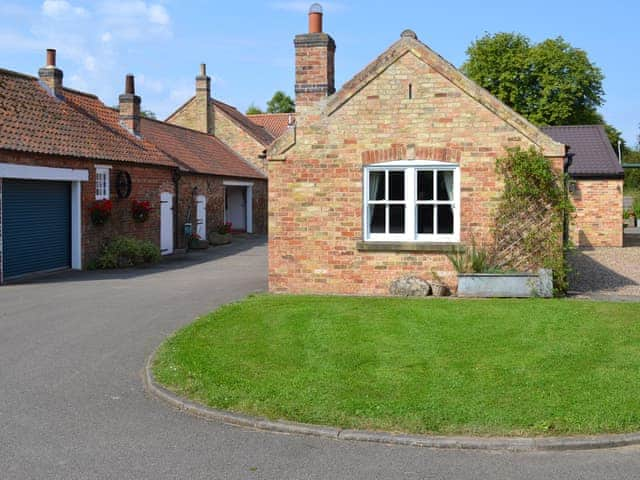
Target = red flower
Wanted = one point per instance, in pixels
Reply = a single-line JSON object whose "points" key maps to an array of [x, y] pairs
{"points": [[140, 210], [100, 211]]}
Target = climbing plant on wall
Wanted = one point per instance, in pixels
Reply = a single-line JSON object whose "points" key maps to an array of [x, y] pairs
{"points": [[531, 215]]}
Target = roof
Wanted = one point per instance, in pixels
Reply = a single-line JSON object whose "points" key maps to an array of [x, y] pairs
{"points": [[255, 130], [274, 123], [80, 125], [195, 150], [409, 44], [32, 120], [258, 132], [188, 149], [594, 155]]}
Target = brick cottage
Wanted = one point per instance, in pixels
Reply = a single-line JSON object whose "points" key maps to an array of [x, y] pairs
{"points": [[62, 150], [380, 179]]}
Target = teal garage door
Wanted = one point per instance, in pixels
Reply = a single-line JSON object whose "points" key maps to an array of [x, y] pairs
{"points": [[36, 226]]}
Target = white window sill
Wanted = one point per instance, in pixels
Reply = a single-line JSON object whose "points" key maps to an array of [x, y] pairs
{"points": [[391, 246]]}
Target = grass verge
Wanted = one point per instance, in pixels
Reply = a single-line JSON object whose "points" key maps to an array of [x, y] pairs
{"points": [[483, 367]]}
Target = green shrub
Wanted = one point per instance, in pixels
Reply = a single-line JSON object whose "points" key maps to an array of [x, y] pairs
{"points": [[473, 260], [124, 252], [632, 179]]}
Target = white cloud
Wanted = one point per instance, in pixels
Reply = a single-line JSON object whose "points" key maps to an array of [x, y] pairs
{"points": [[303, 7], [136, 19], [61, 8], [90, 63], [158, 14], [106, 37]]}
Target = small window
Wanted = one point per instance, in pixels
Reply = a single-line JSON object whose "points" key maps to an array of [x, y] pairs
{"points": [[102, 183], [420, 202]]}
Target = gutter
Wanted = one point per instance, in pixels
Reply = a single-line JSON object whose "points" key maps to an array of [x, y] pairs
{"points": [[568, 161]]}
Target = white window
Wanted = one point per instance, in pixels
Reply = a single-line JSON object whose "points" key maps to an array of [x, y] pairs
{"points": [[416, 201], [102, 183]]}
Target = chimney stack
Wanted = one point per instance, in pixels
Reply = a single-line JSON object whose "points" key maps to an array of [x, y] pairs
{"points": [[315, 62], [50, 75], [204, 111], [130, 107]]}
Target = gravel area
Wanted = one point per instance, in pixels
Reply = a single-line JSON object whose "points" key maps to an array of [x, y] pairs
{"points": [[607, 272]]}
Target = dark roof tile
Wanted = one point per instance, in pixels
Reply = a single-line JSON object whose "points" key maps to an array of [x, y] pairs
{"points": [[594, 155]]}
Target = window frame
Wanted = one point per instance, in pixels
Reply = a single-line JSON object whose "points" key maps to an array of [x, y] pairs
{"points": [[106, 171], [411, 202]]}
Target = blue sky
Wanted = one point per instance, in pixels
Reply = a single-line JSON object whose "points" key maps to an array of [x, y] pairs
{"points": [[248, 45]]}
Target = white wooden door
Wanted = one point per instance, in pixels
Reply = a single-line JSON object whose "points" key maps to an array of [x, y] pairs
{"points": [[237, 208], [166, 223], [201, 216]]}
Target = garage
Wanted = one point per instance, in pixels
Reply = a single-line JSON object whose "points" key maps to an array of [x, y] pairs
{"points": [[36, 226]]}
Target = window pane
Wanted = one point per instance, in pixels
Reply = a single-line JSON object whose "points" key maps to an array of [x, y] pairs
{"points": [[425, 185], [445, 185], [425, 219], [376, 219], [396, 185], [396, 219], [376, 186], [445, 219]]}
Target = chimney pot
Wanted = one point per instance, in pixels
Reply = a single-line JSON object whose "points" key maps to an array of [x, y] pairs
{"points": [[315, 18], [205, 115], [51, 57], [130, 86], [50, 75], [129, 108]]}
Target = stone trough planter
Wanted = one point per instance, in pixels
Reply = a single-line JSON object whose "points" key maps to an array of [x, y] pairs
{"points": [[216, 238], [506, 285]]}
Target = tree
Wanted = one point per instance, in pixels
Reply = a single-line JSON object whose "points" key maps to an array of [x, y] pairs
{"points": [[253, 110], [281, 103], [550, 83], [148, 114]]}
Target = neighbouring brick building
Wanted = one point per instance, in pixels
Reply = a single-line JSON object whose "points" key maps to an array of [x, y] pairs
{"points": [[380, 179], [205, 114], [597, 185], [62, 150]]}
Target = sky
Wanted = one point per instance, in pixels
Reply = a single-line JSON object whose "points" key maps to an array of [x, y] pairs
{"points": [[248, 45]]}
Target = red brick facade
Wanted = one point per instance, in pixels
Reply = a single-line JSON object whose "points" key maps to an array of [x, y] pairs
{"points": [[597, 220], [408, 105], [147, 184]]}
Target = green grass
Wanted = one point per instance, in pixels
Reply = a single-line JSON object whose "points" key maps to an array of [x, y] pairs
{"points": [[506, 367]]}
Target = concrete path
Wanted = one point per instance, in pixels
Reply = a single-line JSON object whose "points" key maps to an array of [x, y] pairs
{"points": [[72, 404]]}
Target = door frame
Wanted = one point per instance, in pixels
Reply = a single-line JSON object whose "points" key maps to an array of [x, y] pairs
{"points": [[249, 206], [168, 197], [52, 174], [201, 223]]}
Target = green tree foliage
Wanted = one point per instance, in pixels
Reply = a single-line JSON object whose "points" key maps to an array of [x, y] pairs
{"points": [[281, 103], [550, 83], [254, 110], [148, 114]]}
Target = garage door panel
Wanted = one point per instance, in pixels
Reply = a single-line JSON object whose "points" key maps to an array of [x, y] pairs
{"points": [[36, 226]]}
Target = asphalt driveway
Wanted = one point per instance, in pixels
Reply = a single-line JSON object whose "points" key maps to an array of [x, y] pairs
{"points": [[72, 404]]}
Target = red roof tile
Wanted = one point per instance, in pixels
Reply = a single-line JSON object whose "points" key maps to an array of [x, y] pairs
{"points": [[274, 123], [197, 151], [32, 120], [189, 149]]}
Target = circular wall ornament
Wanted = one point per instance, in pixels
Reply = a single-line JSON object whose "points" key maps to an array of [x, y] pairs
{"points": [[123, 184]]}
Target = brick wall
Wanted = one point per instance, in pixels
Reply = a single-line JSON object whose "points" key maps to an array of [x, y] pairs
{"points": [[239, 140], [225, 129], [597, 220], [213, 189], [147, 184], [315, 194]]}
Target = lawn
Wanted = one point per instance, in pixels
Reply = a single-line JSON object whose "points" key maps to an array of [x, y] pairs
{"points": [[484, 367]]}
